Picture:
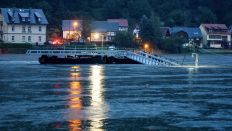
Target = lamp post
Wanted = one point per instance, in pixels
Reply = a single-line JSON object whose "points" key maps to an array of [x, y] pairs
{"points": [[146, 46], [97, 36], [75, 24]]}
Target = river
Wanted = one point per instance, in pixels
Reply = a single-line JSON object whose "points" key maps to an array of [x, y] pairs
{"points": [[115, 97]]}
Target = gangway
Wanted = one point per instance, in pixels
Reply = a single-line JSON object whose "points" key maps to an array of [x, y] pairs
{"points": [[149, 59], [140, 56]]}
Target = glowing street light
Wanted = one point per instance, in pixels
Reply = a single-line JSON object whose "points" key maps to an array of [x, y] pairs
{"points": [[75, 24], [146, 46], [97, 36]]}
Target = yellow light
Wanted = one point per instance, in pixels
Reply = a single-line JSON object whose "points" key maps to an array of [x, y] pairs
{"points": [[75, 24], [96, 35], [146, 46]]}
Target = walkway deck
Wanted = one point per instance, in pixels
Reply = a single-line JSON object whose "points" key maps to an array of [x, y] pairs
{"points": [[138, 56]]}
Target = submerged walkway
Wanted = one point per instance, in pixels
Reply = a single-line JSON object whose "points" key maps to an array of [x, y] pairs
{"points": [[138, 56]]}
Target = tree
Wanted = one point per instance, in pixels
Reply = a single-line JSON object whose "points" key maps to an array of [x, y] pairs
{"points": [[86, 28], [176, 18], [206, 15], [150, 29], [125, 39]]}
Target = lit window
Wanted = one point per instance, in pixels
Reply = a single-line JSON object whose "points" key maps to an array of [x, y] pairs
{"points": [[29, 38]]}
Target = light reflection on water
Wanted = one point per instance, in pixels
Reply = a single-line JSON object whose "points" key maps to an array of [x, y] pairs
{"points": [[88, 97], [75, 102], [98, 109]]}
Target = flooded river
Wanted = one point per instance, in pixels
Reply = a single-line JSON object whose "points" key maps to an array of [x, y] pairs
{"points": [[115, 97]]}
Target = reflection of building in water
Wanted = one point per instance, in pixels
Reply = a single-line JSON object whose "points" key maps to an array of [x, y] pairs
{"points": [[98, 107], [75, 103]]}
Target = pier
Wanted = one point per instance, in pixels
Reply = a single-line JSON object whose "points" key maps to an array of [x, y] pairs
{"points": [[138, 56]]}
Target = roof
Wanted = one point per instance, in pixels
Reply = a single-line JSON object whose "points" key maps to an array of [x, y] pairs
{"points": [[216, 28], [96, 26], [68, 25], [121, 22], [193, 32], [104, 26], [15, 15], [230, 29], [165, 30]]}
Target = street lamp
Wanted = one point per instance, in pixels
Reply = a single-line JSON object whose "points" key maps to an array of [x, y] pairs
{"points": [[146, 46], [97, 36]]}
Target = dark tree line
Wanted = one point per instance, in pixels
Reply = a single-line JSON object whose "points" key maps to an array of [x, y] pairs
{"points": [[169, 12]]}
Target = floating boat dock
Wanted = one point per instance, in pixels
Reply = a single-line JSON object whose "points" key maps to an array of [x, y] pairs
{"points": [[138, 57]]}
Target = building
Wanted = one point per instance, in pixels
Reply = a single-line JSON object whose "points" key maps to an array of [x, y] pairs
{"points": [[72, 29], [215, 35], [99, 30], [123, 23], [191, 34], [23, 26], [165, 31], [107, 30]]}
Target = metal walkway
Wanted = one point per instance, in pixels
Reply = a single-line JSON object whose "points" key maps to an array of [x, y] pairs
{"points": [[140, 56]]}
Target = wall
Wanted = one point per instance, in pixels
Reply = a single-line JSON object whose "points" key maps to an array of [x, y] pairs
{"points": [[18, 34]]}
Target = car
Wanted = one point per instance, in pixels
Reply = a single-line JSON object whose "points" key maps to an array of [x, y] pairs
{"points": [[111, 48]]}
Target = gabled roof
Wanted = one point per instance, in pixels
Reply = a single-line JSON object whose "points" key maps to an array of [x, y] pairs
{"points": [[15, 15], [193, 32], [121, 22], [67, 25], [165, 30], [96, 26], [104, 26], [216, 28]]}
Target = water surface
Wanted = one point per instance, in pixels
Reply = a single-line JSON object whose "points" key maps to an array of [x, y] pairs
{"points": [[115, 97]]}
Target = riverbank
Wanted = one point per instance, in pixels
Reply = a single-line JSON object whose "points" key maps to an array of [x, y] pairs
{"points": [[215, 51]]}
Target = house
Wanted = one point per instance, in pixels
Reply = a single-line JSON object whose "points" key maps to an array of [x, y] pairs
{"points": [[123, 23], [72, 29], [165, 31], [99, 30], [23, 25], [107, 30], [215, 35], [191, 34]]}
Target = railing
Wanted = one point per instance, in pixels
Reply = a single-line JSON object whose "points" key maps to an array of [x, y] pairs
{"points": [[139, 56], [148, 59]]}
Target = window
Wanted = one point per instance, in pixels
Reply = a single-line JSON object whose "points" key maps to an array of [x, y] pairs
{"points": [[23, 19], [40, 38], [215, 36], [23, 29], [12, 38], [40, 28], [29, 38], [29, 29], [13, 28], [23, 38]]}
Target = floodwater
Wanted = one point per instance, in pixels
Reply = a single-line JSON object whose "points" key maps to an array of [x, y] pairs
{"points": [[115, 97]]}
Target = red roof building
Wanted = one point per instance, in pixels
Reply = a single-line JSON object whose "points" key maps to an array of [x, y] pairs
{"points": [[123, 23], [215, 35]]}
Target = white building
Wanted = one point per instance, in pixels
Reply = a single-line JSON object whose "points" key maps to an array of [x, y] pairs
{"points": [[23, 26], [215, 35]]}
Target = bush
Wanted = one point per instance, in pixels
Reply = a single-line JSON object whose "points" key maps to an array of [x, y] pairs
{"points": [[125, 40], [15, 45], [172, 45]]}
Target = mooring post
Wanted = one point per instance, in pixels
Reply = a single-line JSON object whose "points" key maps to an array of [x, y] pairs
{"points": [[196, 57]]}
